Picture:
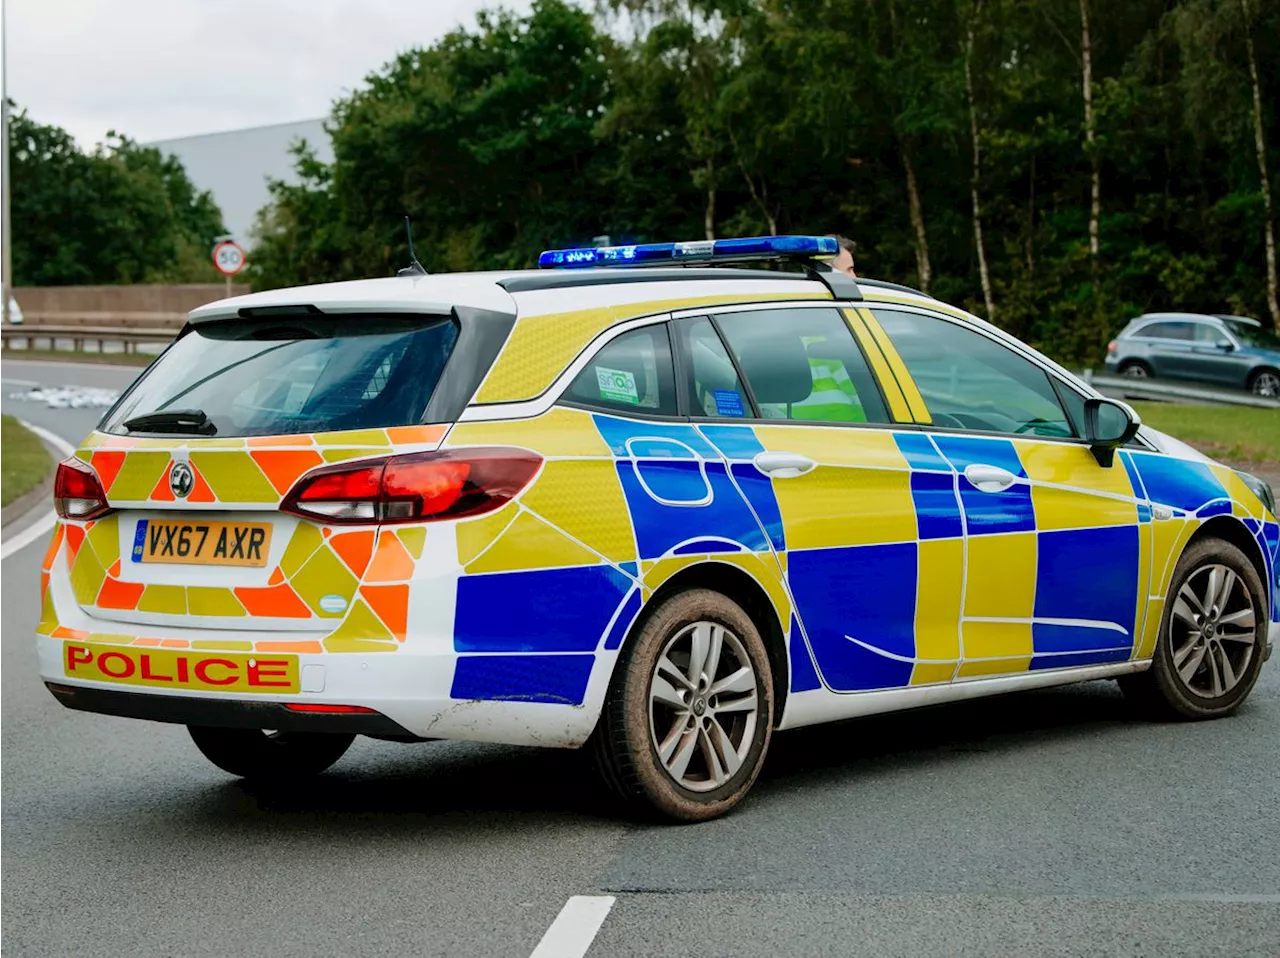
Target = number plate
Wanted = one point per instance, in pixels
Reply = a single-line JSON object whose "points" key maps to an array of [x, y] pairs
{"points": [[202, 543]]}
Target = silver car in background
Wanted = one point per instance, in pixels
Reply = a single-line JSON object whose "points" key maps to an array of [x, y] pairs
{"points": [[1223, 350]]}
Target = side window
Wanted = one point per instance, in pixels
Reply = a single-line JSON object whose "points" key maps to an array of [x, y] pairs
{"points": [[969, 381], [714, 387], [633, 373], [1208, 335], [803, 365], [1166, 331]]}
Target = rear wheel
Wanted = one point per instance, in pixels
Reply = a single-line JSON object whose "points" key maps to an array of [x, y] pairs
{"points": [[689, 715], [1136, 369], [253, 753], [1212, 637], [1265, 382]]}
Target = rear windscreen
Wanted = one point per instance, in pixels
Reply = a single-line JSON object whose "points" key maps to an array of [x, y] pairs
{"points": [[304, 374]]}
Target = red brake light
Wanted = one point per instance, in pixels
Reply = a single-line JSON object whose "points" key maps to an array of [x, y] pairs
{"points": [[417, 487], [77, 493], [329, 709], [1112, 346]]}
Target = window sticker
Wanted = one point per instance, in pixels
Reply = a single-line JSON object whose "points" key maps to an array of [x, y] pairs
{"points": [[616, 385], [728, 402]]}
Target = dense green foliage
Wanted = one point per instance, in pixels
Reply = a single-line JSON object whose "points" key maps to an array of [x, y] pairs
{"points": [[122, 214], [677, 119]]}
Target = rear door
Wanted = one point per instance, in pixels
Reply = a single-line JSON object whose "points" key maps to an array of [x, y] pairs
{"points": [[1169, 345], [197, 457], [868, 529]]}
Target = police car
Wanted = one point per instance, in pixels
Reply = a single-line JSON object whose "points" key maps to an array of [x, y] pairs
{"points": [[642, 500]]}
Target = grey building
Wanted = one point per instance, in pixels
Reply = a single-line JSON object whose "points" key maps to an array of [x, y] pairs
{"points": [[235, 165]]}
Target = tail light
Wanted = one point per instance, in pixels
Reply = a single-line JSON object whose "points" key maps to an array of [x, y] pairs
{"points": [[414, 488], [1112, 347], [77, 493]]}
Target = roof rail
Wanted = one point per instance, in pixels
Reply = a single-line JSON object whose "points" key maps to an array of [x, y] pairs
{"points": [[840, 285], [885, 284]]}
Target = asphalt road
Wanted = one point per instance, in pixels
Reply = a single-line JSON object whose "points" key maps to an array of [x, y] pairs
{"points": [[1048, 823]]}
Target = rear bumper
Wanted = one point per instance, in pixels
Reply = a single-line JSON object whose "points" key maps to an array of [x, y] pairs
{"points": [[220, 713], [411, 692]]}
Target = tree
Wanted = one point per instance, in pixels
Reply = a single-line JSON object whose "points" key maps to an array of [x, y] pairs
{"points": [[121, 214], [975, 178], [963, 143], [1260, 151]]}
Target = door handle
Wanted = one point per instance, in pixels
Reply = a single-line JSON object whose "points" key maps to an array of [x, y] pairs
{"points": [[986, 478], [783, 465]]}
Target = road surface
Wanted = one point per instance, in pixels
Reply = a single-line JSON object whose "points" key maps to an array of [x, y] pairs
{"points": [[1047, 823]]}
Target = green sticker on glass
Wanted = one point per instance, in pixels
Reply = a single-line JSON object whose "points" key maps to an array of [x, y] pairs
{"points": [[617, 385]]}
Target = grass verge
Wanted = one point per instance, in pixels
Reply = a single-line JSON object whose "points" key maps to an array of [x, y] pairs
{"points": [[1234, 433], [25, 461], [74, 356]]}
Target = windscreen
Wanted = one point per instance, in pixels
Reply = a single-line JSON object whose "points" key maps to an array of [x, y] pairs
{"points": [[1252, 335], [283, 376]]}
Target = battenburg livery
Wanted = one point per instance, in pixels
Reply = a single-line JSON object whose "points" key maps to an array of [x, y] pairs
{"points": [[639, 500]]}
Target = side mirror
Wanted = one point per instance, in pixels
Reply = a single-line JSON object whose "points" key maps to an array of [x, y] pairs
{"points": [[1225, 345], [1108, 424]]}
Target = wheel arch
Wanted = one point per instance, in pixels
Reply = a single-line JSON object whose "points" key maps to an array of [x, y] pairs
{"points": [[1258, 370], [742, 587], [1232, 530]]}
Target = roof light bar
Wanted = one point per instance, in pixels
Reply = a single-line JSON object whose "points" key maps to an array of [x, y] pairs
{"points": [[699, 251]]}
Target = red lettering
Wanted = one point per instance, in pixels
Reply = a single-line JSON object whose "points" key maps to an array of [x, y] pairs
{"points": [[183, 675], [146, 671], [108, 656], [263, 669], [77, 655], [202, 671]]}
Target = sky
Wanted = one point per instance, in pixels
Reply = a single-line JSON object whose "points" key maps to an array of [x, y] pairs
{"points": [[160, 69]]}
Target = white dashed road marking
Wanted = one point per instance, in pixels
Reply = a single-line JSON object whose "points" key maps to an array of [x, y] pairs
{"points": [[575, 928]]}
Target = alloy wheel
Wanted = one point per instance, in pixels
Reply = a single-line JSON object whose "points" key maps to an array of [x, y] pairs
{"points": [[703, 706], [1135, 371], [1266, 384], [1213, 631]]}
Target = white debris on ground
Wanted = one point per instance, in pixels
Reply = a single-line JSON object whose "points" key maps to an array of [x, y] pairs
{"points": [[69, 397]]}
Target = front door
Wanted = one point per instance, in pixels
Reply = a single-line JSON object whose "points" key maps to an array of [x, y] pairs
{"points": [[1057, 545]]}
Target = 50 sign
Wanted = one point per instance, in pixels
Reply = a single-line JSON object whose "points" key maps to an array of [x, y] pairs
{"points": [[229, 258]]}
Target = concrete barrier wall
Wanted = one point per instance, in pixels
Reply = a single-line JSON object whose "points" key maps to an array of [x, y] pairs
{"points": [[161, 304]]}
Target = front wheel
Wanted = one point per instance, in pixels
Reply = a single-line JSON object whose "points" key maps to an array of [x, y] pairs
{"points": [[255, 754], [1212, 637], [689, 714], [1265, 382]]}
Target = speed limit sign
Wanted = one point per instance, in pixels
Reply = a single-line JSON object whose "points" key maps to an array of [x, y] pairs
{"points": [[228, 257]]}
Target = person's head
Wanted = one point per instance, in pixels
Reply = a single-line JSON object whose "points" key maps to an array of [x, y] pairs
{"points": [[843, 261]]}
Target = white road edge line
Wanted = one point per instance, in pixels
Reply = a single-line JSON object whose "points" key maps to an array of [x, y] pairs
{"points": [[42, 525], [575, 928]]}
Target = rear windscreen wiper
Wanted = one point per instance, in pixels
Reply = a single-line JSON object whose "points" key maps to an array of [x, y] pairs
{"points": [[172, 420]]}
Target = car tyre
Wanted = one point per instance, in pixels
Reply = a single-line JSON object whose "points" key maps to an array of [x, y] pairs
{"points": [[1265, 382], [679, 739], [1136, 369], [269, 756], [1212, 639]]}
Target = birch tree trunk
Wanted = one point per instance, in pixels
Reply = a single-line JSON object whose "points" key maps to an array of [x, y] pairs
{"points": [[1095, 177], [983, 273], [1260, 149], [923, 267]]}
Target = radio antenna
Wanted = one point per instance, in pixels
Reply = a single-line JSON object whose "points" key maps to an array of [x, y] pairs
{"points": [[414, 268]]}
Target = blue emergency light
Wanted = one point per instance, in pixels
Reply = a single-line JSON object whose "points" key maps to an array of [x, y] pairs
{"points": [[699, 251]]}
